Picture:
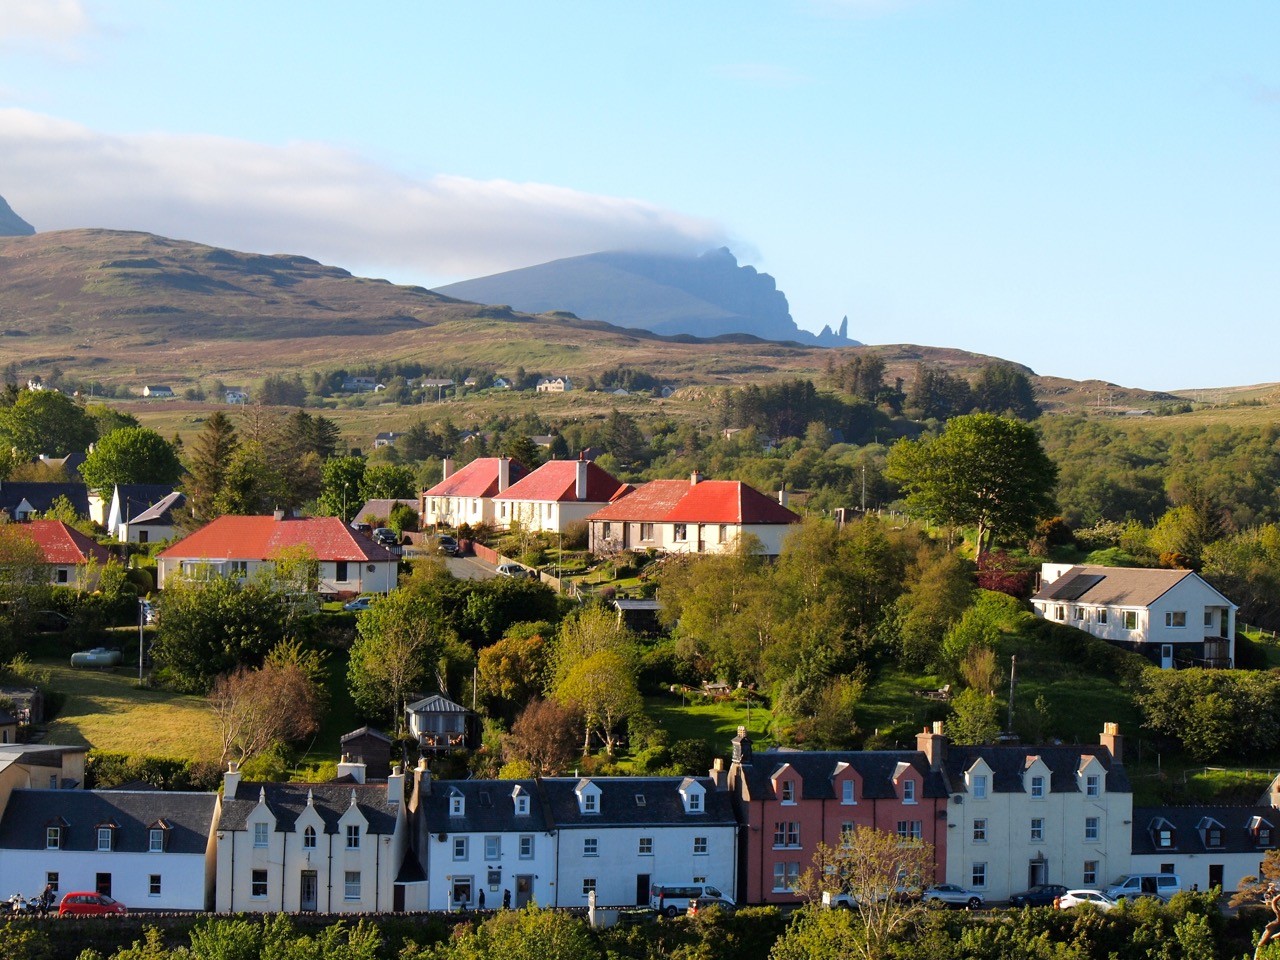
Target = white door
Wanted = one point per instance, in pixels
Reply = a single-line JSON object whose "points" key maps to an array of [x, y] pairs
{"points": [[1166, 656]]}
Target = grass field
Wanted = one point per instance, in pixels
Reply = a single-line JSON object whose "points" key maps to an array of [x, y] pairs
{"points": [[716, 722]]}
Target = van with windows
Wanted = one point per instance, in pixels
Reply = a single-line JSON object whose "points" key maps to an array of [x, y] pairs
{"points": [[1162, 885], [670, 899]]}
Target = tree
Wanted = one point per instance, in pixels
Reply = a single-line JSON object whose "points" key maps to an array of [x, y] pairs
{"points": [[255, 710], [131, 455], [341, 484], [387, 482], [543, 739], [529, 934], [211, 453], [975, 717], [513, 670], [48, 422], [1003, 388], [983, 471], [24, 581], [595, 673], [398, 645]]}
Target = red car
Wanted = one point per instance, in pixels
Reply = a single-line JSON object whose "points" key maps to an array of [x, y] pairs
{"points": [[86, 903]]}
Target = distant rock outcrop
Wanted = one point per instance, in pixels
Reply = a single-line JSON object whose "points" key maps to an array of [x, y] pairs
{"points": [[706, 296], [12, 225]]}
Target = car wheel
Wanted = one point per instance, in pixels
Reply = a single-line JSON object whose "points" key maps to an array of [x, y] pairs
{"points": [[670, 912], [974, 903]]}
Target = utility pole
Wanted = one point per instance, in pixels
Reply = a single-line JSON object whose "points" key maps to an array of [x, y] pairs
{"points": [[1013, 682]]}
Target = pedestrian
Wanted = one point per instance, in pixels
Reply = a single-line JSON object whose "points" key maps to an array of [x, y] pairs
{"points": [[480, 901], [46, 899], [506, 899], [662, 901]]}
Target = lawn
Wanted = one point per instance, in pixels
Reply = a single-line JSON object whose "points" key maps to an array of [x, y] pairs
{"points": [[716, 722], [106, 710]]}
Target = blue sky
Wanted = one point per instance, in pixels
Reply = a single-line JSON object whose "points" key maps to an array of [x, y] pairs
{"points": [[1086, 188]]}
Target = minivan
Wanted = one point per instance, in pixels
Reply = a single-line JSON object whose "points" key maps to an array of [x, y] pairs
{"points": [[1162, 885], [670, 899]]}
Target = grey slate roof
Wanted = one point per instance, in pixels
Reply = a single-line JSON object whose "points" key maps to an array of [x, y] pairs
{"points": [[875, 768], [1115, 586], [161, 511], [662, 804], [1235, 820], [1009, 763], [35, 755], [189, 817], [286, 801], [42, 495], [488, 807]]}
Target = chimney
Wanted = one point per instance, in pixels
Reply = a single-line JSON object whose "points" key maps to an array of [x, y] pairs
{"points": [[231, 781], [783, 497], [933, 744], [421, 785], [354, 768], [279, 514], [1113, 741], [504, 473], [395, 785], [580, 485], [695, 478], [446, 468], [741, 747], [719, 776]]}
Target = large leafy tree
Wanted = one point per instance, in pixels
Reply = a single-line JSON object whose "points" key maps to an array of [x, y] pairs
{"points": [[982, 471], [131, 455], [399, 645], [341, 486], [48, 422], [595, 667]]}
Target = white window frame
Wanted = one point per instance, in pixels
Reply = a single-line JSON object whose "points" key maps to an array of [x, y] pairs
{"points": [[699, 846], [155, 840], [849, 793], [980, 830], [460, 848], [591, 846], [1089, 875], [105, 836], [978, 876], [260, 835], [644, 848], [351, 885], [1037, 787], [1092, 829], [1093, 785], [259, 881], [53, 838], [979, 786], [493, 847], [154, 881], [588, 886], [1037, 829], [353, 836], [908, 791], [1172, 618], [309, 838], [526, 846]]}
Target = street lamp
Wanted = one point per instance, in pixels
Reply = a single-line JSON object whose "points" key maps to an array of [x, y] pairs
{"points": [[344, 502], [142, 618]]}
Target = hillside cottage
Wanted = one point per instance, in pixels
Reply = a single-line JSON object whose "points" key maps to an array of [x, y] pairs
{"points": [[558, 493], [466, 495]]}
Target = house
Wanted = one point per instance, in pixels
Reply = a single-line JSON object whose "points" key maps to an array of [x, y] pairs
{"points": [[790, 801], [241, 546], [158, 393], [466, 495], [387, 438], [370, 747], [489, 839], [234, 395], [380, 510], [1021, 815], [150, 849], [697, 516], [471, 382], [29, 766], [440, 725], [619, 835], [155, 523], [334, 847], [23, 500], [554, 385], [1171, 617], [501, 383], [129, 501], [73, 560], [438, 384], [9, 725], [558, 493], [1206, 846], [361, 385], [27, 704]]}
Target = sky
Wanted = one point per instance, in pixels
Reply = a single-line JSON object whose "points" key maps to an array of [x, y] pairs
{"points": [[1091, 189]]}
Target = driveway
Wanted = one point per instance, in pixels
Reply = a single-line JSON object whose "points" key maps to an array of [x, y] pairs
{"points": [[469, 568]]}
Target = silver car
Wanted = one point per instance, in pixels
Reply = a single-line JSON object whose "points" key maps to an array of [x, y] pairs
{"points": [[951, 895]]}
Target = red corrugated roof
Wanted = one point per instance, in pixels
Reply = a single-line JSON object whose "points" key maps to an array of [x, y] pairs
{"points": [[479, 478], [62, 544], [556, 480], [728, 501], [648, 503], [258, 538]]}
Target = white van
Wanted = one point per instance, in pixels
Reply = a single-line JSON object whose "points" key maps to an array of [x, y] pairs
{"points": [[1162, 885], [670, 899]]}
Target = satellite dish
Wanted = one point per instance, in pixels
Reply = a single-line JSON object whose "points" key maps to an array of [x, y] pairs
{"points": [[957, 798]]}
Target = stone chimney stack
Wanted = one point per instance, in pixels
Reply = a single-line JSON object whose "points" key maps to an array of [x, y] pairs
{"points": [[719, 775], [1113, 741], [933, 744], [504, 473], [783, 497], [695, 478], [421, 785], [580, 483], [231, 781], [278, 514], [446, 468], [741, 747], [395, 785], [353, 768]]}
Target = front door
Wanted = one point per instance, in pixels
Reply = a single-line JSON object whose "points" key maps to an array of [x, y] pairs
{"points": [[308, 892], [1037, 872], [1166, 656], [524, 889], [1215, 875], [103, 884], [642, 889]]}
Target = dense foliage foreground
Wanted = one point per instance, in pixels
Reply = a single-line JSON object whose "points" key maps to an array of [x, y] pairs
{"points": [[1190, 927]]}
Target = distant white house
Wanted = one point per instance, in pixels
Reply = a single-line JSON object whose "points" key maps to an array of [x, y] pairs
{"points": [[554, 385], [236, 396], [158, 393], [502, 383]]}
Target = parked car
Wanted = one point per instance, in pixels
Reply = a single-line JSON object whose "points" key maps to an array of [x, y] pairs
{"points": [[515, 570], [1095, 898], [1161, 885], [447, 545], [358, 604], [1041, 895], [951, 895], [698, 904], [361, 527], [52, 621], [386, 536], [670, 899], [87, 903]]}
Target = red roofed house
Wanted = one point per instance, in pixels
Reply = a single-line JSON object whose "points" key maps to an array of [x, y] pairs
{"points": [[467, 495], [558, 493], [694, 516], [240, 546], [73, 559]]}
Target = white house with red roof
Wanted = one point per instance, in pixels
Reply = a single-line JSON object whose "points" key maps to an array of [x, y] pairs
{"points": [[693, 516], [558, 493], [241, 546], [466, 495], [73, 559]]}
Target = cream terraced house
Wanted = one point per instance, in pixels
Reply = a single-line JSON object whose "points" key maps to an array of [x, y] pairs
{"points": [[466, 495]]}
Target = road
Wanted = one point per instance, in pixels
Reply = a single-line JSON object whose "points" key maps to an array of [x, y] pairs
{"points": [[469, 568]]}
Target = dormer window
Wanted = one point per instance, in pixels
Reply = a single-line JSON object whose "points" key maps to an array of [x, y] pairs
{"points": [[788, 791], [1093, 785], [849, 792], [588, 798], [589, 803], [155, 839], [260, 834], [53, 838], [1163, 834], [978, 784], [1211, 833], [908, 791], [1261, 831], [457, 804], [695, 802], [522, 805], [1037, 788], [106, 837], [691, 792], [309, 838]]}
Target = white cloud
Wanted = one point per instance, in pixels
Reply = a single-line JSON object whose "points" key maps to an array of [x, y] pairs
{"points": [[49, 21], [316, 200]]}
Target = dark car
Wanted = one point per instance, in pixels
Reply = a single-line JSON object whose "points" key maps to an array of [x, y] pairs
{"points": [[386, 536], [446, 544], [699, 904], [1041, 895]]}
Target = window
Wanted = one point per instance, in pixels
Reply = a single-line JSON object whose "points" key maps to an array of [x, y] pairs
{"points": [[724, 533], [1090, 875], [910, 829], [1164, 836], [493, 848], [980, 786], [695, 802], [155, 840], [978, 876], [1037, 788], [681, 532], [52, 838], [785, 876], [1129, 619], [699, 845], [849, 792], [459, 848], [153, 885], [526, 846], [455, 805], [353, 836], [588, 886], [786, 833], [1059, 612], [980, 830], [340, 571], [646, 847], [258, 885], [590, 847], [908, 791], [1208, 618], [51, 878], [589, 803], [1213, 835], [260, 834], [104, 838], [351, 886], [1078, 614], [239, 568], [63, 575], [1090, 828], [522, 806], [1102, 614], [646, 531], [788, 791], [309, 838], [1175, 618], [1037, 829], [53, 781], [1092, 785]]}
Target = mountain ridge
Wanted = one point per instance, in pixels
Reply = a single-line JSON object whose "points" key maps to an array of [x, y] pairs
{"points": [[12, 225]]}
